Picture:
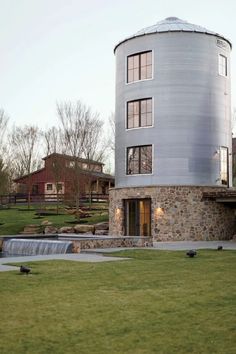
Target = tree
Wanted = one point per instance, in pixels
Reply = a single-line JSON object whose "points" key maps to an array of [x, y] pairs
{"points": [[112, 132], [4, 170], [24, 142], [3, 127], [53, 141], [77, 122]]}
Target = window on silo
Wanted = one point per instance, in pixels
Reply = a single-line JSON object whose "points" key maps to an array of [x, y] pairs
{"points": [[139, 160], [139, 113], [139, 66], [222, 65], [224, 165]]}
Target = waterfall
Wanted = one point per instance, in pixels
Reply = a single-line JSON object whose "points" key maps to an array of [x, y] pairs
{"points": [[35, 247]]}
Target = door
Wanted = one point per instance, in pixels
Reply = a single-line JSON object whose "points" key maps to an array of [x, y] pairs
{"points": [[138, 217]]}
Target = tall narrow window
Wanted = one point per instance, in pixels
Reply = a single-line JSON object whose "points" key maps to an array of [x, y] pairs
{"points": [[139, 113], [224, 165], [223, 65], [139, 160], [139, 66]]}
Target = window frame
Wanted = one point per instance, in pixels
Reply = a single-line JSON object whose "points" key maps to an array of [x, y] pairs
{"points": [[140, 100], [49, 185], [139, 173], [139, 66], [223, 68], [224, 166]]}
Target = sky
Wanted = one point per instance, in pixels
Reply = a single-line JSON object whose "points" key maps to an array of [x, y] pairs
{"points": [[56, 50]]}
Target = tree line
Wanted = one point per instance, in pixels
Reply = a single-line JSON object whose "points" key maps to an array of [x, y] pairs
{"points": [[80, 134]]}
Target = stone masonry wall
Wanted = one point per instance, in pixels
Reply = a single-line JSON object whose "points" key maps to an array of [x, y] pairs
{"points": [[177, 213]]}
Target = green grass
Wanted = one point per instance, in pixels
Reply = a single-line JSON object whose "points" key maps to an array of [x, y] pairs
{"points": [[157, 302], [12, 221]]}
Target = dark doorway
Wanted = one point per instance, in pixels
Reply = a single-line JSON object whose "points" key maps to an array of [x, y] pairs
{"points": [[138, 217]]}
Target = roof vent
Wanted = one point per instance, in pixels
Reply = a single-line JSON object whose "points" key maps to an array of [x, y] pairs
{"points": [[172, 18]]}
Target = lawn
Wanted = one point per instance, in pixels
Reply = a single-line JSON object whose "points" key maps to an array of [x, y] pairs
{"points": [[157, 302], [13, 220]]}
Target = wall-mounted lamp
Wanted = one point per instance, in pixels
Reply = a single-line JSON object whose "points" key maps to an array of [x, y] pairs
{"points": [[117, 214], [159, 212]]}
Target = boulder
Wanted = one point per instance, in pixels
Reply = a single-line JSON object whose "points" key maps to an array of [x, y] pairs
{"points": [[50, 230], [102, 226], [66, 230], [46, 222], [101, 232], [82, 229]]}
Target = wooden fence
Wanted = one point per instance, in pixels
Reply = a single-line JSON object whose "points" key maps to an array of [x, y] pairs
{"points": [[50, 198]]}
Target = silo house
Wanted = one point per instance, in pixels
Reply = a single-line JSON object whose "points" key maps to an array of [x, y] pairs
{"points": [[173, 134]]}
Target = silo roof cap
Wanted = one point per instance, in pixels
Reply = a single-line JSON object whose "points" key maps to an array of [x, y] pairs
{"points": [[172, 24]]}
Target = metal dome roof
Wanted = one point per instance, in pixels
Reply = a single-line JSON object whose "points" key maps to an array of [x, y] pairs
{"points": [[172, 24]]}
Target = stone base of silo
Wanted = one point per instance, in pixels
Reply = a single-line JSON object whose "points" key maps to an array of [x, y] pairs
{"points": [[178, 213]]}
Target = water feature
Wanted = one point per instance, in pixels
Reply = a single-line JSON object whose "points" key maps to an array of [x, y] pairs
{"points": [[35, 247]]}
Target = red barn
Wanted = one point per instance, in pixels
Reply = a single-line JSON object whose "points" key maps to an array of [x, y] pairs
{"points": [[59, 175]]}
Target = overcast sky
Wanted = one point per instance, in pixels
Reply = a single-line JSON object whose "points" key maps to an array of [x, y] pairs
{"points": [[53, 50]]}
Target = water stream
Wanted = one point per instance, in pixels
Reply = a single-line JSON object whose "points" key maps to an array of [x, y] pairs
{"points": [[36, 247]]}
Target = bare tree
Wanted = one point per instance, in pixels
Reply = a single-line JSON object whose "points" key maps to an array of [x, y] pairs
{"points": [[78, 123], [3, 127], [112, 131], [24, 142], [53, 141], [4, 167], [94, 149]]}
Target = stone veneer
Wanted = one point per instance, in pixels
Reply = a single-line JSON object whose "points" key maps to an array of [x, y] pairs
{"points": [[177, 213]]}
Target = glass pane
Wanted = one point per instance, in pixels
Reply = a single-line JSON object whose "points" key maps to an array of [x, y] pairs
{"points": [[143, 120], [136, 107], [136, 75], [146, 159], [132, 161], [144, 217], [144, 59], [130, 122], [143, 106], [130, 76], [136, 121], [149, 72], [136, 61], [149, 119], [149, 105], [149, 58], [143, 73], [130, 63], [130, 108]]}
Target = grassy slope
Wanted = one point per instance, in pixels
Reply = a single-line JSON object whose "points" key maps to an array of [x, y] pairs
{"points": [[158, 302], [15, 219]]}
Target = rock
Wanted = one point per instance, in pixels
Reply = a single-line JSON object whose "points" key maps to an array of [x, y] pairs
{"points": [[31, 229], [81, 229], [50, 230], [102, 226], [76, 247], [46, 222], [101, 232], [66, 230]]}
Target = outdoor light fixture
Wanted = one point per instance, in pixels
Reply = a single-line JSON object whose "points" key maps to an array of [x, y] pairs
{"points": [[159, 211], [117, 213]]}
